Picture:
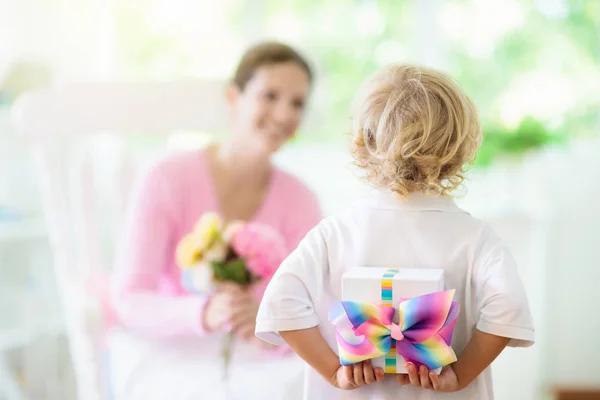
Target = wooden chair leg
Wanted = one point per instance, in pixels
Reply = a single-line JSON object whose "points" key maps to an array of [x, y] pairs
{"points": [[577, 394]]}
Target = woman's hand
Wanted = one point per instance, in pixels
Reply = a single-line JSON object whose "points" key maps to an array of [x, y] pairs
{"points": [[243, 320], [221, 306], [233, 308]]}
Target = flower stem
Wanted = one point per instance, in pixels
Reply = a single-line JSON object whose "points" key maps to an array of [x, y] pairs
{"points": [[226, 353]]}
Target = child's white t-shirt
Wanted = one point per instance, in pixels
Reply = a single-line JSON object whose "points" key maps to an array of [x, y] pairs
{"points": [[383, 231]]}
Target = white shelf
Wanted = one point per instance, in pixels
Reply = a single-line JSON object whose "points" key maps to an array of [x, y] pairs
{"points": [[27, 315], [5, 121], [21, 230]]}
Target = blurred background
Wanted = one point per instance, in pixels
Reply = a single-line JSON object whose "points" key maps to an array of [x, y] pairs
{"points": [[531, 67]]}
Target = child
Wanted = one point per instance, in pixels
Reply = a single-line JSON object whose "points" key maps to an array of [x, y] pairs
{"points": [[414, 130]]}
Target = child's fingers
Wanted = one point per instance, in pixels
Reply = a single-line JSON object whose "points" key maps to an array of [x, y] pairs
{"points": [[413, 376], [359, 378], [435, 380], [379, 374], [423, 375], [348, 374], [368, 372]]}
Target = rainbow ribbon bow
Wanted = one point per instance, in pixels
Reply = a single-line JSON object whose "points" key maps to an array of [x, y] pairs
{"points": [[422, 336]]}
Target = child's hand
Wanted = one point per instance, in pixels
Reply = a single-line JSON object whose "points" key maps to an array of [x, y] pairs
{"points": [[446, 381], [353, 376]]}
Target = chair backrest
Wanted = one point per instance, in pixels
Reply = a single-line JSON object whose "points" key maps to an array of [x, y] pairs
{"points": [[56, 122]]}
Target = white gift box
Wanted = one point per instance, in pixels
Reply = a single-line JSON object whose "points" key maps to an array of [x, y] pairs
{"points": [[364, 284]]}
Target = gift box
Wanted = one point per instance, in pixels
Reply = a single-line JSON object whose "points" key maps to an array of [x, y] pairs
{"points": [[392, 313]]}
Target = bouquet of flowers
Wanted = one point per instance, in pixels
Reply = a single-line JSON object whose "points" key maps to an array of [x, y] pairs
{"points": [[240, 252]]}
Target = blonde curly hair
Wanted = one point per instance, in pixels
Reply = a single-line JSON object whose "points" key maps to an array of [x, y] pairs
{"points": [[414, 130]]}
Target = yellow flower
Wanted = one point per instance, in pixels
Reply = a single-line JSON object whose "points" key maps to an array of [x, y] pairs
{"points": [[187, 253], [207, 230], [194, 246], [216, 252]]}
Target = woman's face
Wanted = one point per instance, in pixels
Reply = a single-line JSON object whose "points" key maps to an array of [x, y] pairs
{"points": [[270, 109]]}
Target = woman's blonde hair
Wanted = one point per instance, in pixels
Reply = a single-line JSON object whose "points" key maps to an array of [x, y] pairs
{"points": [[414, 130]]}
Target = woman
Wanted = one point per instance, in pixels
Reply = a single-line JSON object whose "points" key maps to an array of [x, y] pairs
{"points": [[177, 335]]}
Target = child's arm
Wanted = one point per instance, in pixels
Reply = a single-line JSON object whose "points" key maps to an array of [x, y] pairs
{"points": [[312, 348], [288, 313], [481, 350], [504, 320]]}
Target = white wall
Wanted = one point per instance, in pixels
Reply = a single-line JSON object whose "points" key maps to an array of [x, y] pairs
{"points": [[75, 38]]}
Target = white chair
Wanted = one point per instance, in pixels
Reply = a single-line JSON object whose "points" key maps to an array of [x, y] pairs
{"points": [[55, 121]]}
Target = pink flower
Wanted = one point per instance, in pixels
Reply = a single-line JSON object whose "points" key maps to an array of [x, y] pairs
{"points": [[261, 246]]}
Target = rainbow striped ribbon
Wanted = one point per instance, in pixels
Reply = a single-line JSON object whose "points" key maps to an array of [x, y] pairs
{"points": [[365, 330], [386, 300]]}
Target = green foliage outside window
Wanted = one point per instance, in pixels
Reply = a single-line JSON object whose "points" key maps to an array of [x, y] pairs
{"points": [[531, 66]]}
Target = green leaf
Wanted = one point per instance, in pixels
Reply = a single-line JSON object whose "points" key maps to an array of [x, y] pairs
{"points": [[219, 271], [232, 271]]}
